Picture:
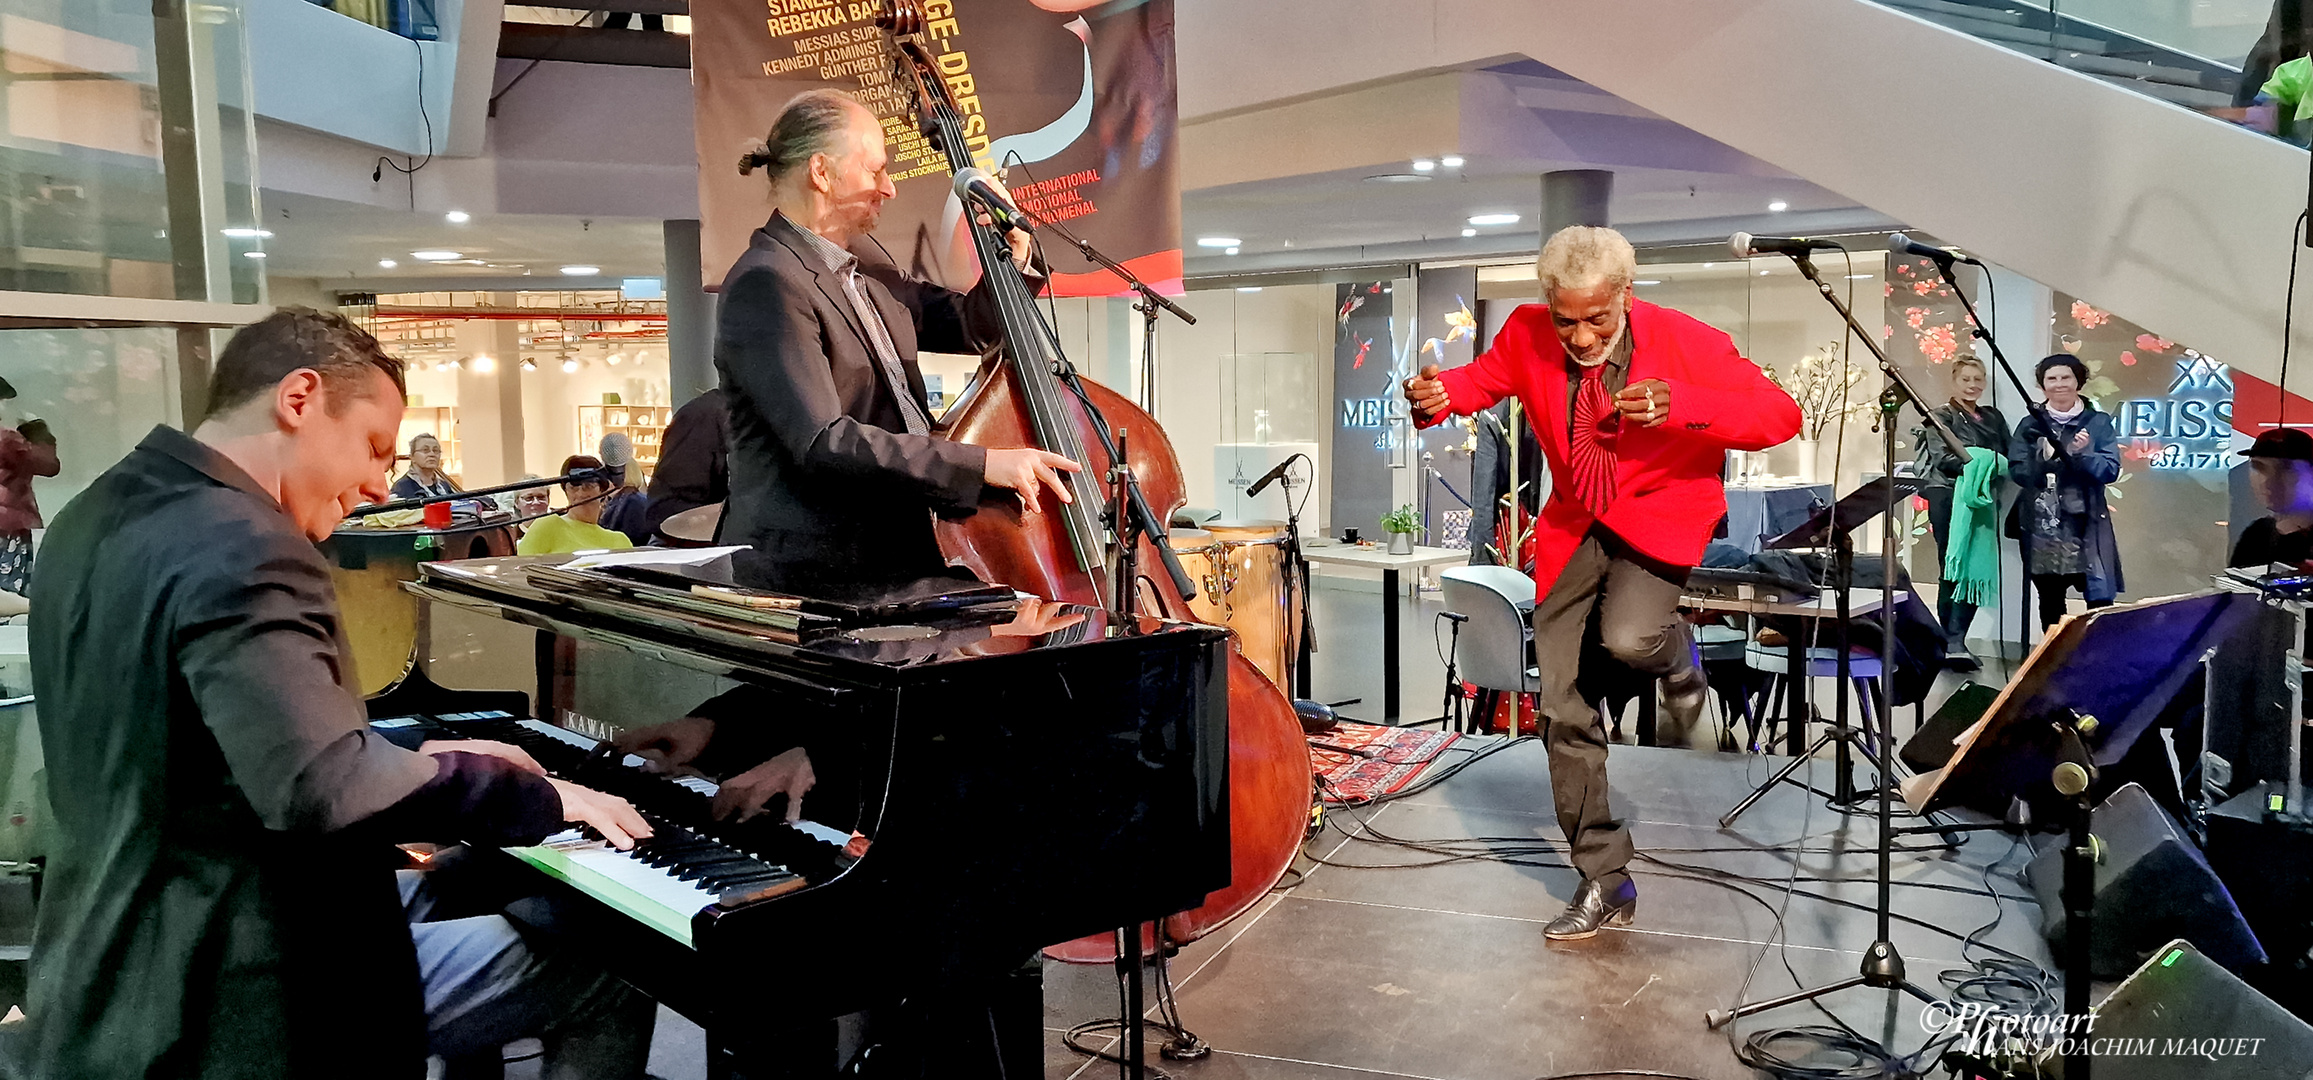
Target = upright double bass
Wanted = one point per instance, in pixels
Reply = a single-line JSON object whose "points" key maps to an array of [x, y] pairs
{"points": [[1025, 394]]}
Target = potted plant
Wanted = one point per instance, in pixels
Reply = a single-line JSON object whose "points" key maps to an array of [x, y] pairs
{"points": [[1399, 524]]}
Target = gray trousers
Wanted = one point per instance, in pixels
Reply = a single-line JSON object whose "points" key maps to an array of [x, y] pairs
{"points": [[1635, 602], [486, 985]]}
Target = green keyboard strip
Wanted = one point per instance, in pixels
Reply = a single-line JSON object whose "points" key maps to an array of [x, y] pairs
{"points": [[556, 864]]}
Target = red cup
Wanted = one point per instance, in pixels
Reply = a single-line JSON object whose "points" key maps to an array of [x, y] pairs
{"points": [[438, 515]]}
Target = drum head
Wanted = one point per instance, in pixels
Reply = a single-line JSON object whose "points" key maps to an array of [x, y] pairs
{"points": [[1188, 539], [692, 528]]}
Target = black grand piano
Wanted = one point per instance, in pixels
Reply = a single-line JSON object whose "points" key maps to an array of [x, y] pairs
{"points": [[993, 776]]}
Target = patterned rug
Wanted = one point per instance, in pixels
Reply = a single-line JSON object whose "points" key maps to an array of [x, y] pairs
{"points": [[1362, 761]]}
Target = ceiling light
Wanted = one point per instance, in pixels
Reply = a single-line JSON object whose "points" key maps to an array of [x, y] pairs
{"points": [[1397, 178], [528, 364], [253, 254], [238, 233], [1859, 277], [1248, 288], [569, 364], [1762, 273], [457, 217], [642, 356], [1469, 232], [1778, 206], [483, 365], [1494, 219], [1646, 282], [1451, 161], [436, 255], [580, 270], [1228, 251], [615, 359], [1424, 164], [387, 264], [451, 365], [1707, 266], [1218, 241]]}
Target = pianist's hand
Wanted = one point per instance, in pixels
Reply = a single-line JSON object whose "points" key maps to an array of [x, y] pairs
{"points": [[504, 751], [746, 794], [609, 815], [671, 745]]}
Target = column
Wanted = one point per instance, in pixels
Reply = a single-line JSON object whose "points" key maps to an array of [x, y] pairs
{"points": [[690, 314], [1575, 197]]}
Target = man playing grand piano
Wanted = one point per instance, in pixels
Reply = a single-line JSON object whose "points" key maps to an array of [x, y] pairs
{"points": [[219, 902], [834, 469]]}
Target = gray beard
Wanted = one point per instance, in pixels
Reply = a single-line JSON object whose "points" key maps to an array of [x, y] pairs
{"points": [[1606, 348]]}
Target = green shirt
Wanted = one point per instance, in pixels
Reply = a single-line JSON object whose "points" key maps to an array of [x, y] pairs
{"points": [[2287, 89], [562, 534]]}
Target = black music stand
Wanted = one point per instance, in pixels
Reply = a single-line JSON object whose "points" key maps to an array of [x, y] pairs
{"points": [[1833, 527], [2094, 686]]}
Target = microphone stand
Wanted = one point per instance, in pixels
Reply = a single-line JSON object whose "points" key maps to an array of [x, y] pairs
{"points": [[607, 474], [1883, 967], [1149, 304], [1296, 586]]}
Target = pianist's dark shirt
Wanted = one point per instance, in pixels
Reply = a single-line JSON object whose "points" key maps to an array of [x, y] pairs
{"points": [[219, 899]]}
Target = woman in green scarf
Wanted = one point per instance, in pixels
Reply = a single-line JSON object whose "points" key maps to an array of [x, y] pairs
{"points": [[1961, 591]]}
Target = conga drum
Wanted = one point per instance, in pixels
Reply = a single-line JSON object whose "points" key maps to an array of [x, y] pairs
{"points": [[1240, 573]]}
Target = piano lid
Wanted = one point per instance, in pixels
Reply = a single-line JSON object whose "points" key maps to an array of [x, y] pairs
{"points": [[946, 633]]}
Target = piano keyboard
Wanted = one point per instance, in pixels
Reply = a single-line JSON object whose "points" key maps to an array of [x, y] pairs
{"points": [[680, 870]]}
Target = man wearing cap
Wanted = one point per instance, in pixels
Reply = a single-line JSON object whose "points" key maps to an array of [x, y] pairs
{"points": [[2281, 473], [623, 509]]}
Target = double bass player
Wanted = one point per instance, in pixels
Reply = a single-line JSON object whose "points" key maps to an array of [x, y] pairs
{"points": [[834, 469]]}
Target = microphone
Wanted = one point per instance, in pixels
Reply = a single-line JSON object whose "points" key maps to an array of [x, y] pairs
{"points": [[1900, 244], [1745, 245], [972, 186], [1272, 476]]}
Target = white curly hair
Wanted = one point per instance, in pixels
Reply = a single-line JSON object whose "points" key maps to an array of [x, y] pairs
{"points": [[1584, 257]]}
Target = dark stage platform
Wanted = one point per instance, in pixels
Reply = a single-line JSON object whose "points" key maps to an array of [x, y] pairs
{"points": [[1441, 971]]}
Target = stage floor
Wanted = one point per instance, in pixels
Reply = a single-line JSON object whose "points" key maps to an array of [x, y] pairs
{"points": [[1442, 972]]}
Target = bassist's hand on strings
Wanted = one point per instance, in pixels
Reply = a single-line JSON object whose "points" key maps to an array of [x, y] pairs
{"points": [[1026, 471]]}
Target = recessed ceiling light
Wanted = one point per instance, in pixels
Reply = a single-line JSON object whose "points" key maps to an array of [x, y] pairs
{"points": [[1646, 282], [1762, 273], [253, 254], [1248, 288], [1707, 266], [580, 270], [1778, 206], [457, 217], [1451, 161], [1397, 178], [1469, 232], [436, 255], [1228, 251], [1424, 164], [387, 264], [1859, 277], [245, 234], [1493, 219], [484, 365], [1218, 241]]}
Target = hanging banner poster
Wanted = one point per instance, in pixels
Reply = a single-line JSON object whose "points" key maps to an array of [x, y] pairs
{"points": [[1071, 102]]}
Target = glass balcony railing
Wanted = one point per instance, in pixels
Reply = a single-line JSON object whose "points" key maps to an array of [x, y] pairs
{"points": [[2217, 57]]}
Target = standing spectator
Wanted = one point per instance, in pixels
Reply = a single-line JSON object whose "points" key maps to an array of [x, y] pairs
{"points": [[2068, 539], [624, 509], [694, 456], [579, 526], [425, 478], [1977, 425], [27, 449]]}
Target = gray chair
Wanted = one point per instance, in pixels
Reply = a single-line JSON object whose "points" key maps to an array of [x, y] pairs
{"points": [[1496, 650]]}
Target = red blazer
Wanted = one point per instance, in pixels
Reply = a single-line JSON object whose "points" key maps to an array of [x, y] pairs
{"points": [[1668, 496]]}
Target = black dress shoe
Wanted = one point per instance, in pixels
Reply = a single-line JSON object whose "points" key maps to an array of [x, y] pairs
{"points": [[1594, 907]]}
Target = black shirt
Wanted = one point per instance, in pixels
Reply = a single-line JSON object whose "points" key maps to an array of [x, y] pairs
{"points": [[2263, 543]]}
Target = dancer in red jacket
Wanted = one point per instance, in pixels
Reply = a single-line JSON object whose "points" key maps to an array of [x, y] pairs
{"points": [[1635, 407]]}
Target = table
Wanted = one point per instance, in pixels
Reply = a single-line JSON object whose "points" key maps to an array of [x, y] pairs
{"points": [[1377, 557], [1755, 600]]}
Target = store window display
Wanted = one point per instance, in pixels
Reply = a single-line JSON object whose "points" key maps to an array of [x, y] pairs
{"points": [[27, 449]]}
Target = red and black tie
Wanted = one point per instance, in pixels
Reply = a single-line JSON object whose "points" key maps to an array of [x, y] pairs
{"points": [[1596, 427]]}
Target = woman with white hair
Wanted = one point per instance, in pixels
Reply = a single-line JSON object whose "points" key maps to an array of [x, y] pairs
{"points": [[1635, 407]]}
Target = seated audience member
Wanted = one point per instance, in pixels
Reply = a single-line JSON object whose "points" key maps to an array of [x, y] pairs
{"points": [[694, 456], [624, 510], [579, 526], [425, 478], [218, 901], [2281, 473]]}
